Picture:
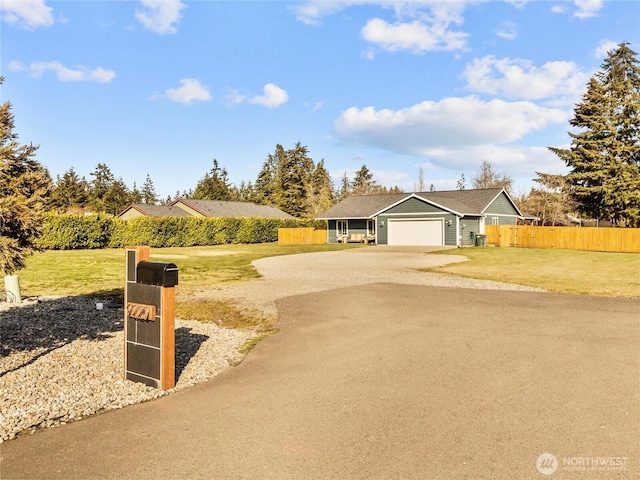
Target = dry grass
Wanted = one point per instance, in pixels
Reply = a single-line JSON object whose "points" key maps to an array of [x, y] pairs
{"points": [[565, 271]]}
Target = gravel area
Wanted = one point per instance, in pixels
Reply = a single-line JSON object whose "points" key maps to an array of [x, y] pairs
{"points": [[314, 272], [62, 359]]}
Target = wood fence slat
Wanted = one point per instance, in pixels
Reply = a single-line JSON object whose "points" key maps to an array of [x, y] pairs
{"points": [[605, 239], [302, 236]]}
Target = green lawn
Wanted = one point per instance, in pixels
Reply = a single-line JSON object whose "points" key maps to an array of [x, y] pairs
{"points": [[566, 271], [85, 272]]}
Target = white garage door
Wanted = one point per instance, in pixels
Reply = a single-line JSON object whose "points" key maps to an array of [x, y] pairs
{"points": [[415, 232]]}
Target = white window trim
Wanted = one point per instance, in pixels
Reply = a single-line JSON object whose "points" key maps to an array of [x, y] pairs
{"points": [[339, 234]]}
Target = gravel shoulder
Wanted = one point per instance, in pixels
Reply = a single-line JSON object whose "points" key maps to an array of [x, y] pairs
{"points": [[62, 359]]}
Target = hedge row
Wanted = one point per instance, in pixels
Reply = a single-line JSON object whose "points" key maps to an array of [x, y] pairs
{"points": [[69, 232]]}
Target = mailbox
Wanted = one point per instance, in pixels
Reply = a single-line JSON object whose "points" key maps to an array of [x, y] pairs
{"points": [[149, 319], [157, 273]]}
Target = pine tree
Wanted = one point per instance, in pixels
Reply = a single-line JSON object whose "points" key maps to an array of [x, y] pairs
{"points": [[363, 182], [604, 156], [345, 187], [136, 194], [215, 184], [321, 195], [149, 195], [70, 193], [102, 181], [117, 198], [295, 181], [267, 186], [24, 188]]}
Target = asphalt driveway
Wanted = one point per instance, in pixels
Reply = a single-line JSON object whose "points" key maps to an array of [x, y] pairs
{"points": [[387, 381]]}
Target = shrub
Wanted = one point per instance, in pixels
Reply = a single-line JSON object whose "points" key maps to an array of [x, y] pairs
{"points": [[64, 232]]}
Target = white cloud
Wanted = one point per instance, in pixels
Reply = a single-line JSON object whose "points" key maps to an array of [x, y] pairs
{"points": [[452, 123], [422, 25], [521, 79], [588, 8], [160, 16], [27, 14], [508, 30], [273, 96], [312, 12], [190, 91], [234, 97], [604, 48], [64, 74], [415, 36]]}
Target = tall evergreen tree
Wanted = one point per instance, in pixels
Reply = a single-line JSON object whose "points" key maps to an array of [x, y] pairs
{"points": [[295, 181], [136, 194], [243, 192], [148, 193], [345, 187], [101, 184], [70, 193], [24, 188], [604, 156], [321, 198], [267, 187], [363, 182], [117, 198], [215, 184]]}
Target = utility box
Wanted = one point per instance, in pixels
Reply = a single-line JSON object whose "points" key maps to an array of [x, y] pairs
{"points": [[149, 319]]}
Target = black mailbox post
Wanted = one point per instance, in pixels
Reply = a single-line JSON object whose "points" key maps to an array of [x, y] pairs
{"points": [[149, 319]]}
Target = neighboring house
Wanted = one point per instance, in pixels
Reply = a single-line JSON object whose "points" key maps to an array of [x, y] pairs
{"points": [[423, 218], [143, 210], [203, 208], [219, 208]]}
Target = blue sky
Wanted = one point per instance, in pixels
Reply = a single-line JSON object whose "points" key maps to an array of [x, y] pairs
{"points": [[164, 87]]}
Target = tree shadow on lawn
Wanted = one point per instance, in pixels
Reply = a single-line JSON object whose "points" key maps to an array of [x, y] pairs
{"points": [[35, 328]]}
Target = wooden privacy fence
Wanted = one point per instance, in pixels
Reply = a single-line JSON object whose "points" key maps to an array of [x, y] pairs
{"points": [[569, 238], [301, 236]]}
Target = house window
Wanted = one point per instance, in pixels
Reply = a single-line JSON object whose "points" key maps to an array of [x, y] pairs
{"points": [[342, 228], [495, 221], [371, 227]]}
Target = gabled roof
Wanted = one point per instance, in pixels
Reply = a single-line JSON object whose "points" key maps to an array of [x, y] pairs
{"points": [[219, 208], [463, 202], [156, 210]]}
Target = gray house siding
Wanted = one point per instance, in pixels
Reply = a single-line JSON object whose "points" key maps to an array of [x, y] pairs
{"points": [[331, 229], [501, 206], [501, 212], [413, 205], [501, 220], [468, 225]]}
